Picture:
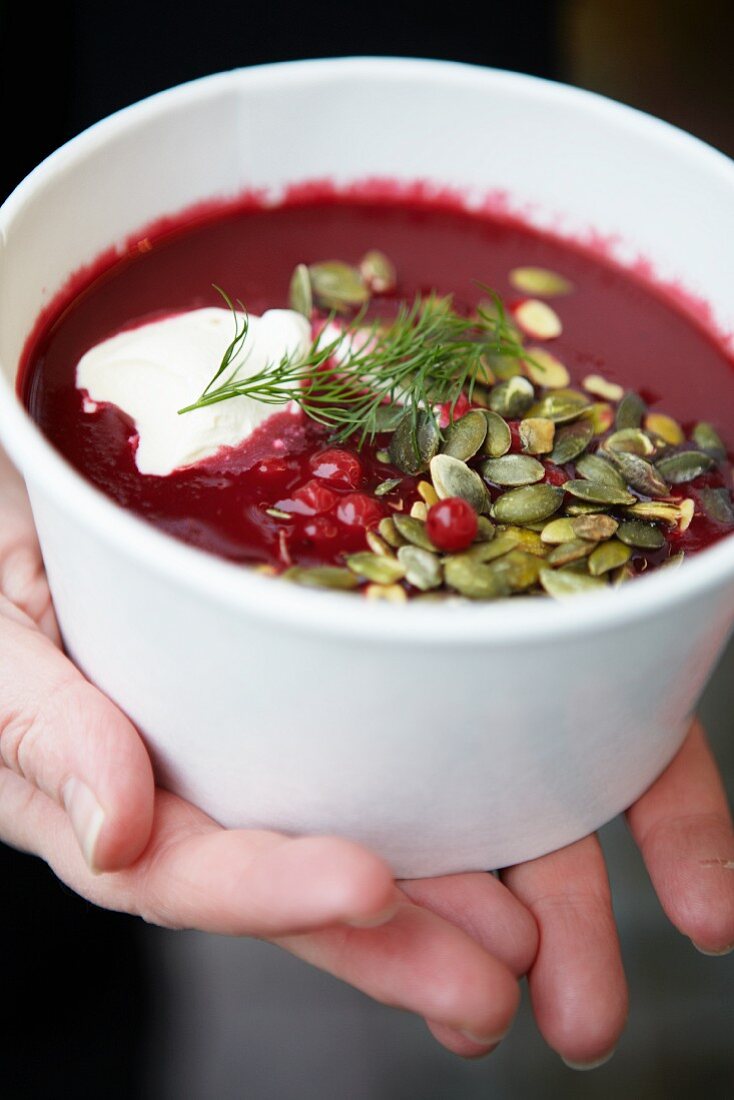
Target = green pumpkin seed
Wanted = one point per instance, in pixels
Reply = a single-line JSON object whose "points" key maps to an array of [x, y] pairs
{"points": [[630, 441], [321, 576], [538, 319], [633, 532], [622, 574], [499, 436], [706, 437], [389, 593], [338, 285], [630, 411], [673, 561], [418, 510], [655, 511], [595, 528], [465, 437], [528, 540], [641, 475], [540, 281], [684, 466], [412, 531], [414, 442], [378, 272], [386, 418], [561, 407], [378, 545], [578, 508], [383, 456], [537, 434], [595, 492], [686, 508], [517, 570], [489, 551], [376, 567], [486, 530], [717, 505], [387, 486], [558, 531], [595, 468], [571, 441], [505, 367], [389, 532], [608, 555], [427, 493], [529, 504], [545, 370], [422, 569], [575, 550], [513, 470], [300, 295], [562, 584], [665, 428], [601, 417], [278, 513], [473, 579], [598, 386], [453, 478], [511, 398]]}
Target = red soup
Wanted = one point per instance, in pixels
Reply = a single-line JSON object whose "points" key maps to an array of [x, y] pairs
{"points": [[484, 410]]}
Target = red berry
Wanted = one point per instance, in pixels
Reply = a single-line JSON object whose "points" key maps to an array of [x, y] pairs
{"points": [[451, 524], [336, 467], [516, 441], [554, 475], [273, 467], [444, 411], [321, 529], [315, 497], [358, 510]]}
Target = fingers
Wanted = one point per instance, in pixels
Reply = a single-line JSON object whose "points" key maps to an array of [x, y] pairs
{"points": [[683, 828], [66, 739], [577, 983]]}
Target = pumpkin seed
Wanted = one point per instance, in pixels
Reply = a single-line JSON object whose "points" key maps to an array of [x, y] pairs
{"points": [[488, 551], [646, 536], [561, 407], [545, 370], [321, 576], [537, 434], [594, 527], [413, 531], [427, 493], [376, 567], [383, 456], [528, 540], [686, 508], [506, 366], [684, 466], [608, 555], [513, 470], [278, 513], [656, 511], [537, 319], [575, 550], [595, 492], [414, 442], [418, 510], [579, 508], [390, 593], [706, 437], [387, 486], [473, 579], [486, 530], [631, 441], [378, 545], [539, 280], [338, 285], [630, 411], [386, 418], [453, 478], [571, 441], [300, 295], [598, 386], [511, 398], [601, 415], [517, 570], [717, 505], [389, 532], [499, 436], [529, 504], [673, 561], [464, 437], [378, 272], [641, 475], [558, 531], [562, 584], [422, 570], [595, 468], [622, 574], [665, 427]]}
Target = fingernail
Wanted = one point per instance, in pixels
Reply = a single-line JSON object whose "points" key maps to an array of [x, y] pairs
{"points": [[483, 1040], [86, 816], [583, 1066], [374, 921], [713, 954]]}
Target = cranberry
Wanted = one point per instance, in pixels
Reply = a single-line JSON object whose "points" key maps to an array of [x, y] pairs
{"points": [[273, 467], [340, 468], [358, 510], [451, 524], [516, 441], [321, 529], [444, 411], [316, 497], [554, 475]]}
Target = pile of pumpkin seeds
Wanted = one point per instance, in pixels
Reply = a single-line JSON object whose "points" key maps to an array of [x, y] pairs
{"points": [[575, 489]]}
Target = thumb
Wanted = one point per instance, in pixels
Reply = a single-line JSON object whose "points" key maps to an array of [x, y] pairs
{"points": [[68, 740]]}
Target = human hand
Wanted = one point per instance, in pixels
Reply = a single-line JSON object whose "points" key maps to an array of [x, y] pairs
{"points": [[77, 789]]}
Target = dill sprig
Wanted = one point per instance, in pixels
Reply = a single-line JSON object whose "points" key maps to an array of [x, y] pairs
{"points": [[425, 357]]}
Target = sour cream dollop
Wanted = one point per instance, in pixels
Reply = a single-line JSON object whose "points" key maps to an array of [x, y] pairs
{"points": [[152, 371]]}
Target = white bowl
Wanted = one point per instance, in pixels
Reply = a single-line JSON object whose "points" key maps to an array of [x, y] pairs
{"points": [[445, 738]]}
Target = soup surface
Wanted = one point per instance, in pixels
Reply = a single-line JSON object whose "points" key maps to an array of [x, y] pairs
{"points": [[291, 496]]}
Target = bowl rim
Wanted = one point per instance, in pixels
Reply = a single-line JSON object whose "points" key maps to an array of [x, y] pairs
{"points": [[242, 590]]}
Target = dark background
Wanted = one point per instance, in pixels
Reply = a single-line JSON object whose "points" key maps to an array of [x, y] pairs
{"points": [[74, 993]]}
